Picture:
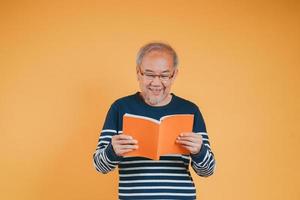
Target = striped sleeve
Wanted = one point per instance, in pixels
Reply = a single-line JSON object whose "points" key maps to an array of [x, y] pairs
{"points": [[203, 163], [105, 158]]}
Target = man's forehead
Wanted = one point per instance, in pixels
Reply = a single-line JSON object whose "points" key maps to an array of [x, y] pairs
{"points": [[158, 53], [157, 60], [157, 69]]}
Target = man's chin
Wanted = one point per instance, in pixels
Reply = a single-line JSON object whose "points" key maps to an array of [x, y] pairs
{"points": [[155, 100]]}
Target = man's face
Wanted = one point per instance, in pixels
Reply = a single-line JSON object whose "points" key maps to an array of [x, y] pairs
{"points": [[155, 90]]}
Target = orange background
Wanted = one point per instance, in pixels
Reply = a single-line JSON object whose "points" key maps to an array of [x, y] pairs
{"points": [[62, 63]]}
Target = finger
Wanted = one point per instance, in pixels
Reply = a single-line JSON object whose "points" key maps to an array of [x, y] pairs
{"points": [[194, 143], [118, 138], [123, 137], [122, 147], [187, 143], [189, 138], [190, 135], [122, 152], [187, 134], [192, 150], [122, 142]]}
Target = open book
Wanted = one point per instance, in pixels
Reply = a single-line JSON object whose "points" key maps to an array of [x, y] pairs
{"points": [[156, 138]]}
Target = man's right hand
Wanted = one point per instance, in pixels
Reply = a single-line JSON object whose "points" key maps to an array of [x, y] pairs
{"points": [[123, 144]]}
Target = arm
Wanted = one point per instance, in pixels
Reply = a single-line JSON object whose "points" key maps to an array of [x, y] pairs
{"points": [[111, 146], [105, 159], [197, 142], [203, 162]]}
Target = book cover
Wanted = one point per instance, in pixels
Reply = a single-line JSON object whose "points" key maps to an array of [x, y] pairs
{"points": [[157, 137]]}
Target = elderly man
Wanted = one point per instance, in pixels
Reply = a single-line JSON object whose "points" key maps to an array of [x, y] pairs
{"points": [[168, 177]]}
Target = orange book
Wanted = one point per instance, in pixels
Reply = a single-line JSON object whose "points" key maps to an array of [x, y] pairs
{"points": [[157, 137]]}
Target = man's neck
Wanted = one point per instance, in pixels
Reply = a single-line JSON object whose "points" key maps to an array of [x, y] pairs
{"points": [[164, 102]]}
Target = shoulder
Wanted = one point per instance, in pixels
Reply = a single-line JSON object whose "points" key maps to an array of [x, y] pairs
{"points": [[126, 100], [182, 102], [191, 107]]}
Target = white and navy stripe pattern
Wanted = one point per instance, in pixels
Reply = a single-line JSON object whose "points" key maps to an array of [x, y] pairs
{"points": [[143, 178], [101, 159]]}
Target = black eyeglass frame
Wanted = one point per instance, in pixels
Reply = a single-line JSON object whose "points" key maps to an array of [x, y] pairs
{"points": [[153, 76]]}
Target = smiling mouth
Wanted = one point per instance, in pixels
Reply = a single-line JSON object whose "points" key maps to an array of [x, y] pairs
{"points": [[155, 91]]}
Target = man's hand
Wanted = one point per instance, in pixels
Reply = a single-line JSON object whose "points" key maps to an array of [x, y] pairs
{"points": [[123, 144], [191, 141]]}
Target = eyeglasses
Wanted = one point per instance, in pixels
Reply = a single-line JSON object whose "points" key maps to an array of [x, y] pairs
{"points": [[162, 77]]}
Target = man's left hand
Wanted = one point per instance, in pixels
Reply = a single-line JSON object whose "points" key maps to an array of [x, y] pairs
{"points": [[191, 141]]}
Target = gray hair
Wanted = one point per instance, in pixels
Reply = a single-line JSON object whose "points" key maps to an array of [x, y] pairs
{"points": [[156, 46]]}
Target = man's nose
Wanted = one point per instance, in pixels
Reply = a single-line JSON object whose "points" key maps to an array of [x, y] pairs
{"points": [[156, 81]]}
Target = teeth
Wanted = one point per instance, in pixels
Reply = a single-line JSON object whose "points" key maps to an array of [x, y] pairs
{"points": [[155, 89]]}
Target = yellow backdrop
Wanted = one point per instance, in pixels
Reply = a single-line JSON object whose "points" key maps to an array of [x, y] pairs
{"points": [[62, 63]]}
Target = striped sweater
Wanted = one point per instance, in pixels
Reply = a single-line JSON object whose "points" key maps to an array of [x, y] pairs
{"points": [[143, 178]]}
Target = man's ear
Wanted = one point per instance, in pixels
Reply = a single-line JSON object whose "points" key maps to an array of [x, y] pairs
{"points": [[175, 73], [137, 73]]}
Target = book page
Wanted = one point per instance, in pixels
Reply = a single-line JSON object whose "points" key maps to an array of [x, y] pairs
{"points": [[170, 128], [145, 131]]}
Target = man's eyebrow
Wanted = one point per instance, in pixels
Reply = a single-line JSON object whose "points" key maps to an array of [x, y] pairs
{"points": [[166, 71]]}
